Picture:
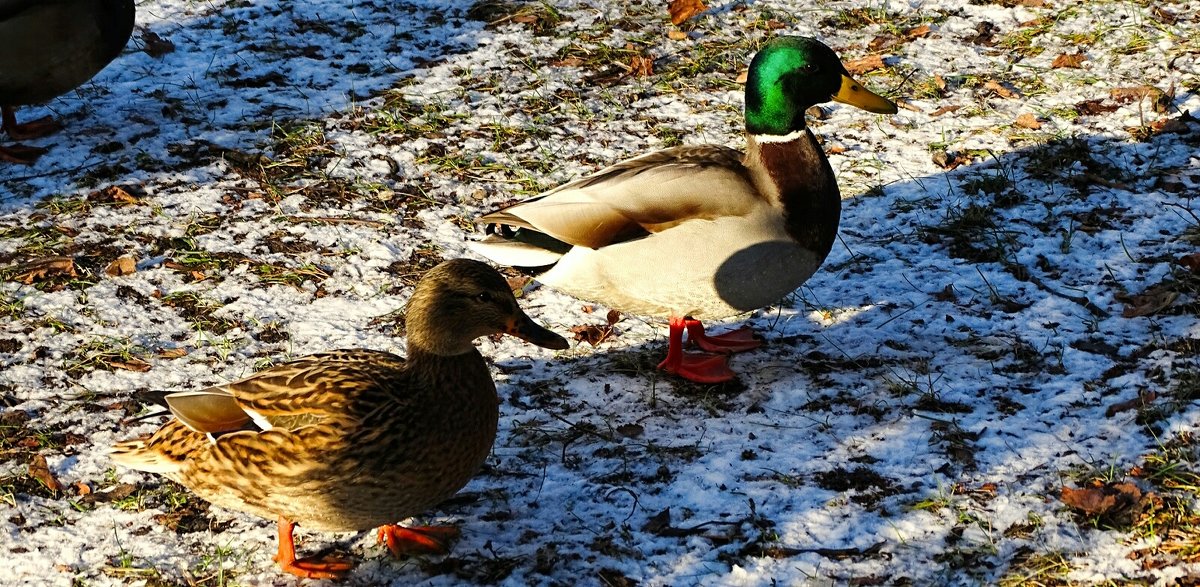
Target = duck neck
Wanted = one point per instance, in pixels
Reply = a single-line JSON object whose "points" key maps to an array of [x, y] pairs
{"points": [[792, 172]]}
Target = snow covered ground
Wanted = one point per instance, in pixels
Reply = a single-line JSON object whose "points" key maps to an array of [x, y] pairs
{"points": [[990, 381]]}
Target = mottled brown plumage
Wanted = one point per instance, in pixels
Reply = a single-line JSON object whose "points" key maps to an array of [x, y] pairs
{"points": [[351, 439]]}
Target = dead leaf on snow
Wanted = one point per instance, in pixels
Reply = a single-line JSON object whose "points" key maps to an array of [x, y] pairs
{"points": [[1159, 100], [1164, 16], [40, 269], [174, 353], [1071, 60], [112, 195], [994, 87], [593, 334], [1149, 302], [155, 45], [568, 62], [630, 430], [641, 66], [681, 10], [676, 35], [1027, 120], [1177, 125], [742, 76], [865, 64], [39, 469], [1143, 399], [1102, 500], [123, 265], [945, 110], [1192, 262], [1094, 107], [132, 364], [918, 32], [947, 160]]}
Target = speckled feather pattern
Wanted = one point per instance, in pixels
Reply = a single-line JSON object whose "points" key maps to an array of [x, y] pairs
{"points": [[391, 438]]}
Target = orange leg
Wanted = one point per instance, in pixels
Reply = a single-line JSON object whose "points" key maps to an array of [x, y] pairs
{"points": [[418, 539], [698, 367], [735, 341], [30, 130], [308, 567]]}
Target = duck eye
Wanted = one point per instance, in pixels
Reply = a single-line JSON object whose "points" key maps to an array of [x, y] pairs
{"points": [[485, 297]]}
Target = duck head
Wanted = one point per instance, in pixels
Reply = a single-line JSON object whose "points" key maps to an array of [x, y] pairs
{"points": [[461, 300], [791, 74]]}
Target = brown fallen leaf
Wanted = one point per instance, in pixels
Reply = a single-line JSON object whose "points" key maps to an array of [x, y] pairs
{"points": [[174, 353], [742, 76], [132, 364], [863, 65], [39, 469], [1192, 262], [612, 317], [1028, 120], [156, 46], [40, 269], [918, 32], [1177, 125], [123, 265], [1149, 302], [1103, 500], [1071, 60], [676, 35], [82, 488], [568, 62], [681, 10], [112, 195], [1094, 107], [1143, 399], [641, 66], [949, 161], [995, 87], [593, 334], [1164, 16], [945, 110], [1160, 101], [884, 42]]}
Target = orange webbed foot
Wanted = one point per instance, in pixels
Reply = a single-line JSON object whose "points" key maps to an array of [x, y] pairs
{"points": [[735, 341], [699, 367], [418, 539], [311, 567], [318, 567]]}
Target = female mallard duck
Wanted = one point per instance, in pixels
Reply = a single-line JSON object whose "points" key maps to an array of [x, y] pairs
{"points": [[48, 48], [703, 231], [353, 439]]}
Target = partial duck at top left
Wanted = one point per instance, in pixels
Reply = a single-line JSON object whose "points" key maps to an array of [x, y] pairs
{"points": [[48, 48]]}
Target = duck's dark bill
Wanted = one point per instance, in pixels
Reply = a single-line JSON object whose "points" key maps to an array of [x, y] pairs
{"points": [[854, 94], [526, 329]]}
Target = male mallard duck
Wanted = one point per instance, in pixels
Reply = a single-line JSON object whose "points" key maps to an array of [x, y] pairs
{"points": [[48, 48], [352, 439], [699, 231]]}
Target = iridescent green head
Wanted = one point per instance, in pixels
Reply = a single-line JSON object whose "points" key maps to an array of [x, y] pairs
{"points": [[789, 75]]}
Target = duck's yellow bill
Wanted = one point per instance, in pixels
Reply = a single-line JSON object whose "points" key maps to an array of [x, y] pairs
{"points": [[854, 94]]}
